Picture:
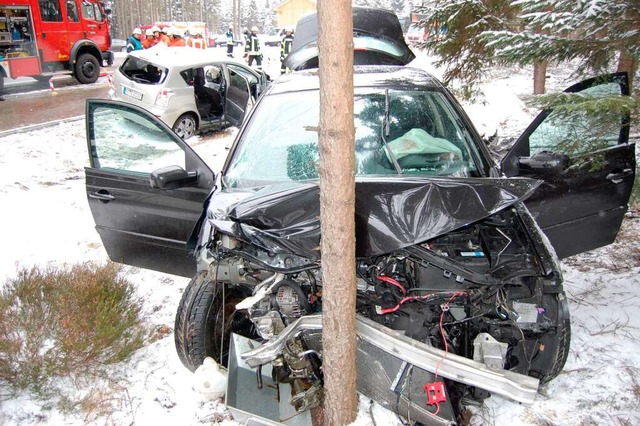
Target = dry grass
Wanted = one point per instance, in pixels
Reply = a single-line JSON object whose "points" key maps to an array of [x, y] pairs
{"points": [[65, 325]]}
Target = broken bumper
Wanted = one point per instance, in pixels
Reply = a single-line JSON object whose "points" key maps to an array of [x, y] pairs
{"points": [[512, 385]]}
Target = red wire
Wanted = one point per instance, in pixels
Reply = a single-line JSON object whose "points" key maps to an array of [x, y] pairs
{"points": [[404, 300], [392, 282], [446, 346]]}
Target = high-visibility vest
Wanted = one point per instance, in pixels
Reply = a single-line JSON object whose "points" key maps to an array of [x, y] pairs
{"points": [[196, 43]]}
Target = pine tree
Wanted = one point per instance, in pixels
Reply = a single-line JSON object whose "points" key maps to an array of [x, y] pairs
{"points": [[596, 33], [471, 36], [455, 28]]}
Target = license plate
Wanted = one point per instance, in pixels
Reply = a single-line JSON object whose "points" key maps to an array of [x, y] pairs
{"points": [[131, 93]]}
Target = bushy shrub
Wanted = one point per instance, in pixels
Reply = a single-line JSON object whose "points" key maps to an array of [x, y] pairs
{"points": [[61, 324]]}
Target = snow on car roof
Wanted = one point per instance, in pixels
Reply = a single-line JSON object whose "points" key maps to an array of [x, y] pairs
{"points": [[183, 57]]}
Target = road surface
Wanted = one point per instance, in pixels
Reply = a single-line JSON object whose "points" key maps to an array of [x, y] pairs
{"points": [[45, 105]]}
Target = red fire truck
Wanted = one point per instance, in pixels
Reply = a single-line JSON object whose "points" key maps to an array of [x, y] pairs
{"points": [[39, 38]]}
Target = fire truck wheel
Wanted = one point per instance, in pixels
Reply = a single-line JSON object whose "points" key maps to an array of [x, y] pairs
{"points": [[87, 68]]}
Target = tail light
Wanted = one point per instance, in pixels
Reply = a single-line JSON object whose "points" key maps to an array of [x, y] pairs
{"points": [[162, 100]]}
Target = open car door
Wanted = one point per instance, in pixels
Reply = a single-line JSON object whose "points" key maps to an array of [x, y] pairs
{"points": [[587, 166], [238, 96], [145, 187]]}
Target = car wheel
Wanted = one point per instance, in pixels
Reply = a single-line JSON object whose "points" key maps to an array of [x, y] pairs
{"points": [[87, 69], [123, 49], [205, 319], [185, 126]]}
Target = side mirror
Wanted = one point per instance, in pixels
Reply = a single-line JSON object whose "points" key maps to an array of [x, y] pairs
{"points": [[171, 177], [545, 162]]}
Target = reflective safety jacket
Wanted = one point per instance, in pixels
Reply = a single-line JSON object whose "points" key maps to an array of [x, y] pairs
{"points": [[252, 45], [133, 44], [285, 46], [197, 43], [177, 42]]}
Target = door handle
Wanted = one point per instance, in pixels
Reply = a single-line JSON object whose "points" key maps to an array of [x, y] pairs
{"points": [[102, 196], [618, 177]]}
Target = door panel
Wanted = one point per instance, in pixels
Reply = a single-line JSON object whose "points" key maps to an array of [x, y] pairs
{"points": [[74, 26], [140, 225], [53, 28], [583, 197], [238, 94]]}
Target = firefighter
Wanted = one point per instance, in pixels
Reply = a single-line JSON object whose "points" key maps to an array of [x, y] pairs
{"points": [[285, 48], [133, 42], [252, 49], [176, 39], [160, 35], [229, 35], [150, 41], [197, 42]]}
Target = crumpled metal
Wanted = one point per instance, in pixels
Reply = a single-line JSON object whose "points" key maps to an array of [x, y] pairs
{"points": [[390, 214]]}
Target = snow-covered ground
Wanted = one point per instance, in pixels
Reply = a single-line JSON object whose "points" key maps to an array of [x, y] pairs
{"points": [[45, 220]]}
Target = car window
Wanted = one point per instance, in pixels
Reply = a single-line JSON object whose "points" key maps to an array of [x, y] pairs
{"points": [[50, 10], [72, 11], [142, 71], [88, 12], [577, 132], [125, 140], [187, 75], [238, 71], [425, 137]]}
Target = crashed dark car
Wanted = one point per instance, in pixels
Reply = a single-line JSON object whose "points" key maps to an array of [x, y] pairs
{"points": [[457, 256]]}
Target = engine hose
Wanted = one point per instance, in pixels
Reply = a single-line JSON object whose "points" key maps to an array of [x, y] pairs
{"points": [[302, 298]]}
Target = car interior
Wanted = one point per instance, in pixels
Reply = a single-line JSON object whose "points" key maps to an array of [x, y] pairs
{"points": [[207, 87]]}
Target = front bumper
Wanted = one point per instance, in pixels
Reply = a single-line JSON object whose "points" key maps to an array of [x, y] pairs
{"points": [[512, 385]]}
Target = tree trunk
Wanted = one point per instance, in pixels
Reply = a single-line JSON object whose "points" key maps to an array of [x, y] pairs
{"points": [[337, 209], [539, 77], [628, 64]]}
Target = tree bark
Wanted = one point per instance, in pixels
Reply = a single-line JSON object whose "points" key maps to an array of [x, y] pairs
{"points": [[337, 210], [628, 64], [539, 77]]}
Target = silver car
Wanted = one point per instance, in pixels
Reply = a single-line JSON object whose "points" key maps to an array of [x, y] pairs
{"points": [[188, 89]]}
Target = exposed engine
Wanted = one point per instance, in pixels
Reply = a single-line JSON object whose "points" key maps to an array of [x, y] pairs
{"points": [[476, 292]]}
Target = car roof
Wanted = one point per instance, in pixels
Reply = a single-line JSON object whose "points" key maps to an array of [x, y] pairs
{"points": [[182, 57], [363, 76]]}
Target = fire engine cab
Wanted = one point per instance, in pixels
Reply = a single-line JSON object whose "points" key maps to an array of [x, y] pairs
{"points": [[39, 38]]}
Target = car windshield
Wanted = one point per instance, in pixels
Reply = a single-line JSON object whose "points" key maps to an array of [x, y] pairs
{"points": [[142, 71], [424, 137]]}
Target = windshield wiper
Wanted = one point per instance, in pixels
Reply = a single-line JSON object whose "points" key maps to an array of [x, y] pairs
{"points": [[386, 130]]}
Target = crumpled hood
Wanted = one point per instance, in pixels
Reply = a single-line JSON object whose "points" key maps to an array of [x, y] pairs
{"points": [[390, 214]]}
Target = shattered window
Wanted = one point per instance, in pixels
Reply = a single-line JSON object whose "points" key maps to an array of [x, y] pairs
{"points": [[125, 140], [424, 137]]}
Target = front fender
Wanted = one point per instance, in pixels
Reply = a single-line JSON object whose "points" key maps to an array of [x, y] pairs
{"points": [[84, 46]]}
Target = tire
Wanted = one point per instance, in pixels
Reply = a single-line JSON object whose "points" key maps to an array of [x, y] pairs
{"points": [[87, 69], [186, 126], [199, 330], [123, 49]]}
